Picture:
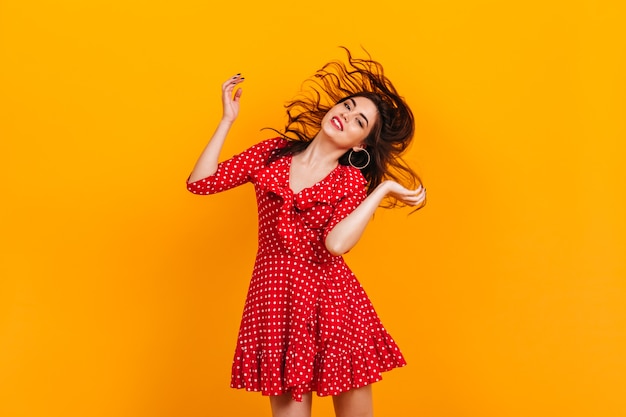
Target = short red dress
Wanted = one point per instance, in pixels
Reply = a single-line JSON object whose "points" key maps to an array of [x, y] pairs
{"points": [[307, 323]]}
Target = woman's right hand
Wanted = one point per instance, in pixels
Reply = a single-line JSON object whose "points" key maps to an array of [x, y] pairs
{"points": [[230, 102]]}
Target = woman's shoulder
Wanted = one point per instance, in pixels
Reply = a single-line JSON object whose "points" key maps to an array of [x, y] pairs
{"points": [[266, 148], [273, 143], [352, 176], [344, 181]]}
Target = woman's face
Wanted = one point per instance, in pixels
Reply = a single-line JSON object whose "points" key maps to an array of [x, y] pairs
{"points": [[348, 123]]}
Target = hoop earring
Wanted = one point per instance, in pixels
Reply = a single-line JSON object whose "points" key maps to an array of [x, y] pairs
{"points": [[361, 167]]}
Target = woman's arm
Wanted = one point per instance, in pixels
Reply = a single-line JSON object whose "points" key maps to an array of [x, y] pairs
{"points": [[208, 160], [348, 231]]}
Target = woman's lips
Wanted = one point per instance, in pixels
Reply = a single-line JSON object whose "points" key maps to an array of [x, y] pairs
{"points": [[337, 123]]}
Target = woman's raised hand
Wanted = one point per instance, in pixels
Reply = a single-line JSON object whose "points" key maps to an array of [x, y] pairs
{"points": [[404, 195], [230, 101]]}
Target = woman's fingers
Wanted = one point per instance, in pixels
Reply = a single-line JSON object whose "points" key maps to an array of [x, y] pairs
{"points": [[404, 195], [232, 82], [229, 86], [230, 101], [238, 94], [414, 197]]}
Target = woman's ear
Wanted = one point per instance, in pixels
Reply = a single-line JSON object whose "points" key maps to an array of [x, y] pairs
{"points": [[359, 147]]}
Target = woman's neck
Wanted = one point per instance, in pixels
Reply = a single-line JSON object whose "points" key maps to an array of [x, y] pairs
{"points": [[320, 153]]}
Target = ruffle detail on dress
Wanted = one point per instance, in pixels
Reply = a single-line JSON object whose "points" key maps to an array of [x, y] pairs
{"points": [[297, 235], [357, 368], [260, 371], [329, 374], [328, 190]]}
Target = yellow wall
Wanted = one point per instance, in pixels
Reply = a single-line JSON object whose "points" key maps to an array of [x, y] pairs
{"points": [[120, 293]]}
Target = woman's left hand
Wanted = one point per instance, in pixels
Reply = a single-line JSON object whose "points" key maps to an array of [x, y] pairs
{"points": [[349, 230], [404, 195]]}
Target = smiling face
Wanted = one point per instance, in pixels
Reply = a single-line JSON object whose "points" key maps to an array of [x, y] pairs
{"points": [[349, 122]]}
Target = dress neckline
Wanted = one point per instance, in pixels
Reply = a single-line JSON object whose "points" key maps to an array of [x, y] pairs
{"points": [[289, 159]]}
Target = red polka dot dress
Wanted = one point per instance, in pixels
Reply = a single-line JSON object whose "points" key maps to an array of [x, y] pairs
{"points": [[307, 323]]}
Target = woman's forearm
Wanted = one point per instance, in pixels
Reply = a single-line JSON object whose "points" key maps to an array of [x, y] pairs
{"points": [[207, 163], [347, 232], [208, 160]]}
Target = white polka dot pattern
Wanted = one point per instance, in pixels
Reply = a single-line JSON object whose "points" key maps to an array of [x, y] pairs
{"points": [[307, 323]]}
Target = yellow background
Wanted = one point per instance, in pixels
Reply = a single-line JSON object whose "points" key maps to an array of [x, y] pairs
{"points": [[121, 293]]}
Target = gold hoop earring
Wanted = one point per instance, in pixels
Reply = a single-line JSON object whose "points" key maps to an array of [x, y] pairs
{"points": [[361, 167]]}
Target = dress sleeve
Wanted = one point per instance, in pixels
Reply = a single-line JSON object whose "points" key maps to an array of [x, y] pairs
{"points": [[236, 170], [354, 195]]}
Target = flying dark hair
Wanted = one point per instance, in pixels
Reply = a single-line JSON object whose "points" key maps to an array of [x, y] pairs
{"points": [[390, 135]]}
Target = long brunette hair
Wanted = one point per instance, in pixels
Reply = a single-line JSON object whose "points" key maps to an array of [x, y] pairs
{"points": [[390, 136]]}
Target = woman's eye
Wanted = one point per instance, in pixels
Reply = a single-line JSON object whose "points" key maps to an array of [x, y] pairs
{"points": [[360, 122], [347, 105]]}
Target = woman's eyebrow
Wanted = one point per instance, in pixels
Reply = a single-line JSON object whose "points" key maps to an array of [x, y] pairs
{"points": [[362, 115]]}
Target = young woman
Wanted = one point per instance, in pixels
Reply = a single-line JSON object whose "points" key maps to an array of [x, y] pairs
{"points": [[307, 323]]}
